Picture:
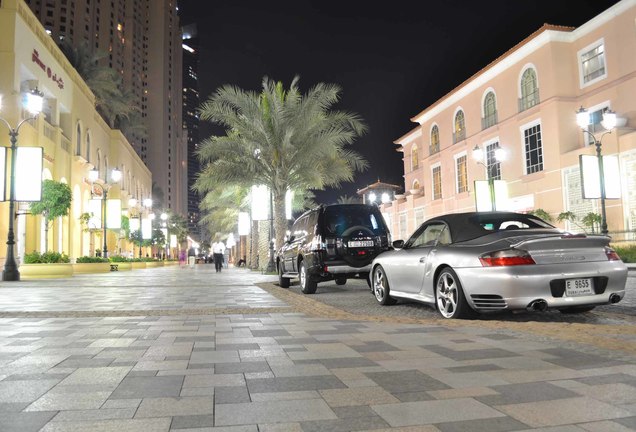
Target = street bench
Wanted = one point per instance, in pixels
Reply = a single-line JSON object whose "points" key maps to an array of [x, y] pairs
{"points": [[114, 267]]}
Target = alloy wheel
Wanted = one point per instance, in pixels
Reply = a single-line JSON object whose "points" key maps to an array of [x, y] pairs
{"points": [[447, 295]]}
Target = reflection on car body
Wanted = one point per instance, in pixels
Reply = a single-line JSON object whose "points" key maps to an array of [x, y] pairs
{"points": [[479, 262]]}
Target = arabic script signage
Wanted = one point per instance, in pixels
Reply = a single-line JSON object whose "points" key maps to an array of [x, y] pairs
{"points": [[35, 57]]}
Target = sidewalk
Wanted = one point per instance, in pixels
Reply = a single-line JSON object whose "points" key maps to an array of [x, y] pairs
{"points": [[193, 350]]}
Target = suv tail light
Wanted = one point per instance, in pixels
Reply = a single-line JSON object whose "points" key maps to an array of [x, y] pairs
{"points": [[507, 257], [317, 244], [611, 254]]}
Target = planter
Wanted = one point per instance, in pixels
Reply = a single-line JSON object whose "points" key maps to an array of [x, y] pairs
{"points": [[170, 263], [138, 265], [45, 271], [83, 268], [153, 264], [415, 191], [123, 266]]}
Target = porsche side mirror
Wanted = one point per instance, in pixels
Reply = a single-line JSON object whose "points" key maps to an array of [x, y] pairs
{"points": [[398, 244]]}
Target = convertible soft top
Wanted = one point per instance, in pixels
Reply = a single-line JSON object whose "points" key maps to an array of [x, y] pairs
{"points": [[471, 225]]}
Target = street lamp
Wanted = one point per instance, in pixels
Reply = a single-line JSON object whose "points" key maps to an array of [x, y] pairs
{"points": [[115, 176], [481, 158], [34, 102], [164, 218], [608, 123]]}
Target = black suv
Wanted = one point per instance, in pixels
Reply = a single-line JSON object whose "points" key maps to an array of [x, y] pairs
{"points": [[332, 242]]}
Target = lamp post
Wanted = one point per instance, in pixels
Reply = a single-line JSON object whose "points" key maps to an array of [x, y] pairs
{"points": [[34, 103], [115, 176], [479, 157], [164, 218], [271, 267], [608, 123]]}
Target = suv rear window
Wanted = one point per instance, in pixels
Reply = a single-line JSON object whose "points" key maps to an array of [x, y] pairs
{"points": [[340, 218]]}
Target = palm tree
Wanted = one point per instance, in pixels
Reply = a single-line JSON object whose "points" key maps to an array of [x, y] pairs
{"points": [[346, 199], [282, 139]]}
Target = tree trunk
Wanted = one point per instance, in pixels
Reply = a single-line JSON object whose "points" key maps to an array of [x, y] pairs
{"points": [[254, 246], [280, 221], [46, 234]]}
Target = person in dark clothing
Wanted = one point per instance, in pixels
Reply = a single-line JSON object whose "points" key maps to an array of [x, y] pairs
{"points": [[192, 256]]}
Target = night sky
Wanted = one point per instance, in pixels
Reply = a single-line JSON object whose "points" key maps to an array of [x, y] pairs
{"points": [[391, 59]]}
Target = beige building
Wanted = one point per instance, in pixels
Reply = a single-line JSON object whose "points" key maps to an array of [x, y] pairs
{"points": [[525, 103], [73, 135], [143, 42]]}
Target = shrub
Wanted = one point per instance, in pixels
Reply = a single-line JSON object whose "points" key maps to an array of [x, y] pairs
{"points": [[90, 259], [119, 258], [48, 257], [627, 253]]}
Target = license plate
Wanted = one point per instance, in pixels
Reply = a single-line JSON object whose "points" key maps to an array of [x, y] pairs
{"points": [[579, 287], [361, 243]]}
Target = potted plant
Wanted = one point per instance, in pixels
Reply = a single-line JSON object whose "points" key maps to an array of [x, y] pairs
{"points": [[45, 266], [89, 264]]}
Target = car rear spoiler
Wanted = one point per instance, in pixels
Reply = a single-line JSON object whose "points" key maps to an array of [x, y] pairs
{"points": [[569, 241]]}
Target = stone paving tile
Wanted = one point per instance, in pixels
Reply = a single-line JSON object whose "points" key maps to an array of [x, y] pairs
{"points": [[217, 380], [192, 422], [563, 411], [165, 407], [406, 381], [69, 401], [521, 393], [15, 391], [148, 387], [93, 415], [499, 424], [132, 425], [285, 384], [273, 412], [231, 395], [107, 376], [345, 425], [357, 396], [24, 422], [283, 396], [577, 360]]}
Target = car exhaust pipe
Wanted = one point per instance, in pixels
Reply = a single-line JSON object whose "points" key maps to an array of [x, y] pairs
{"points": [[538, 305], [615, 298]]}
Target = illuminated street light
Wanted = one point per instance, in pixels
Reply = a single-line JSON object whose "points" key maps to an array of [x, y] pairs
{"points": [[33, 104], [608, 123], [115, 177]]}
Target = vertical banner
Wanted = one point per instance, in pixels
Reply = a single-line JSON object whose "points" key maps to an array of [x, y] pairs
{"points": [[95, 212], [260, 202], [500, 188], [591, 177], [482, 196], [244, 223], [611, 172], [28, 174], [173, 240], [113, 214], [146, 228], [3, 172], [289, 197]]}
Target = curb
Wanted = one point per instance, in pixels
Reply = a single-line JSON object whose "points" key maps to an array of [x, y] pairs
{"points": [[631, 267]]}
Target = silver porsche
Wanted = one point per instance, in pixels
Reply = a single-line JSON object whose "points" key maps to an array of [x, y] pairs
{"points": [[466, 263]]}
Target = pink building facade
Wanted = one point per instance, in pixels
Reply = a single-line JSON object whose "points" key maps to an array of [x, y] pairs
{"points": [[525, 103]]}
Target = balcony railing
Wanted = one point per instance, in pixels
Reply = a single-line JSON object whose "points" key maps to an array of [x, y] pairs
{"points": [[529, 100], [65, 143], [433, 149], [459, 136], [50, 131], [489, 121]]}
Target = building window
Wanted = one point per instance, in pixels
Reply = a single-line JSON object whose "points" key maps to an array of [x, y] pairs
{"points": [[595, 126], [462, 174], [88, 148], [529, 90], [533, 149], [459, 129], [434, 148], [402, 226], [414, 158], [492, 164], [490, 111], [437, 182], [592, 63], [78, 141], [419, 217]]}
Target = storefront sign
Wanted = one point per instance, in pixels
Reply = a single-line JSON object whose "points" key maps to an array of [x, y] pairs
{"points": [[35, 58]]}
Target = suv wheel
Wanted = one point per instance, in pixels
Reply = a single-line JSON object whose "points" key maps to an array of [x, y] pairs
{"points": [[283, 282], [307, 284]]}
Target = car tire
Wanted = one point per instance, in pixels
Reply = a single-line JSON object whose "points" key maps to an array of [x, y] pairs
{"points": [[283, 282], [576, 309], [341, 280], [308, 284], [380, 289], [449, 296]]}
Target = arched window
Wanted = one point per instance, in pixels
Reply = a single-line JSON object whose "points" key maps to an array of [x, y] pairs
{"points": [[459, 131], [529, 90], [98, 165], [105, 166], [88, 147], [490, 111], [414, 158], [416, 185], [434, 147], [78, 145]]}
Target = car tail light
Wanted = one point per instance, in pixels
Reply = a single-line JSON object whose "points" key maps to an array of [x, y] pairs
{"points": [[317, 244], [611, 254], [507, 257]]}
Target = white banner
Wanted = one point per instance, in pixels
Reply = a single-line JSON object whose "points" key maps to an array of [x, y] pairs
{"points": [[591, 178], [134, 224], [260, 202], [95, 210], [28, 174], [113, 214], [3, 172], [243, 223], [146, 228]]}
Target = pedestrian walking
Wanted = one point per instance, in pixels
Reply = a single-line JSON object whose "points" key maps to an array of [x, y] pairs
{"points": [[182, 258], [218, 250], [192, 257]]}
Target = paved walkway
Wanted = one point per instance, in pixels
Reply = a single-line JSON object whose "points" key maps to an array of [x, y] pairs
{"points": [[191, 350]]}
